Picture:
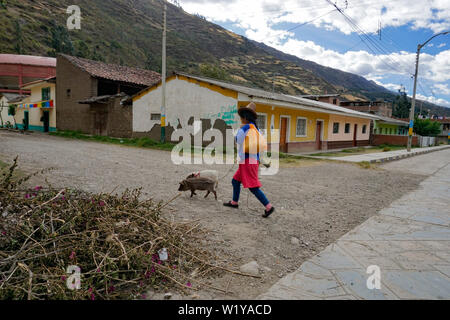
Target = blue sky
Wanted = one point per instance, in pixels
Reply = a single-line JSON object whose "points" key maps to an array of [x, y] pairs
{"points": [[324, 36]]}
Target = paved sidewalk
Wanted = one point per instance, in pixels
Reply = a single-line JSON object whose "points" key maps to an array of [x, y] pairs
{"points": [[385, 156], [409, 241]]}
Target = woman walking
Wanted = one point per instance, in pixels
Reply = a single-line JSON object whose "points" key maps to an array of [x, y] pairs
{"points": [[250, 144]]}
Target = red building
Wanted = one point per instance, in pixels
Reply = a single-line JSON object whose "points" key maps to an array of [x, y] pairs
{"points": [[16, 70]]}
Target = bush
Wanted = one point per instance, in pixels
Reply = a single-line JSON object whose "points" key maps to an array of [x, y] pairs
{"points": [[427, 128], [114, 239]]}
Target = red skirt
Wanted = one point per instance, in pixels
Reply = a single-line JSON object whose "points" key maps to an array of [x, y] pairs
{"points": [[247, 174]]}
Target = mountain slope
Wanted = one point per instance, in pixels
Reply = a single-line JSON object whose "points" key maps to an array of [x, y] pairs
{"points": [[128, 32]]}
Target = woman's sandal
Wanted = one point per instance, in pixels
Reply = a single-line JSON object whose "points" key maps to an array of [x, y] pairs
{"points": [[268, 213], [230, 205]]}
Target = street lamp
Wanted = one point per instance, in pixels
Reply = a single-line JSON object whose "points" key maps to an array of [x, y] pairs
{"points": [[413, 104]]}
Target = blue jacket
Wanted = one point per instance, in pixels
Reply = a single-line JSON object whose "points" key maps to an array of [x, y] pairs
{"points": [[240, 137]]}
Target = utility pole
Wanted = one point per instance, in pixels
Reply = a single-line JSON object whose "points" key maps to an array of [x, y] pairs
{"points": [[413, 104], [163, 71]]}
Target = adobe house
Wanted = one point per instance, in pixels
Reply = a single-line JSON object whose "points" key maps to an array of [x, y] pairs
{"points": [[304, 125], [90, 95]]}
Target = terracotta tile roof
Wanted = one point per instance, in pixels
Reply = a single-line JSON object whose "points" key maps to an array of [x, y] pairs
{"points": [[115, 72]]}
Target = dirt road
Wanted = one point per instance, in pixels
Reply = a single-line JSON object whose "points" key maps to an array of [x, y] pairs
{"points": [[317, 202]]}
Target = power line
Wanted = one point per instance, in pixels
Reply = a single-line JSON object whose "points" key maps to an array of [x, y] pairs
{"points": [[305, 23], [363, 36], [279, 10]]}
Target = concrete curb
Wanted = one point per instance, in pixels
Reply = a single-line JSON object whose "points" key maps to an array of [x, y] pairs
{"points": [[404, 156]]}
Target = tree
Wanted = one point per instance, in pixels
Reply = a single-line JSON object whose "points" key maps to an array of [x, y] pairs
{"points": [[96, 56], [401, 106], [60, 40], [153, 64], [19, 37], [12, 112], [1, 116], [426, 127], [82, 50]]}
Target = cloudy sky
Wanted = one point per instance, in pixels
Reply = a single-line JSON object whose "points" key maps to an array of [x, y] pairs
{"points": [[316, 31]]}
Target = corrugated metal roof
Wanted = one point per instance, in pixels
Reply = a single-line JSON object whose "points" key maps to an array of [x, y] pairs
{"points": [[28, 60], [10, 96], [280, 97], [392, 121], [26, 85]]}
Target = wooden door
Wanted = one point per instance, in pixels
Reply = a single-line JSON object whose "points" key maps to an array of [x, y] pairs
{"points": [[100, 119], [319, 135], [46, 120], [355, 136], [26, 120], [283, 135]]}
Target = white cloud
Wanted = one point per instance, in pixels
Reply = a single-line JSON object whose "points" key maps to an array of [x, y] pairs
{"points": [[391, 86], [442, 88], [434, 68], [262, 15], [434, 100], [441, 45], [260, 20]]}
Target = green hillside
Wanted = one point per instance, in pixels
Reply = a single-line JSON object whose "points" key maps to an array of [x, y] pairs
{"points": [[128, 32]]}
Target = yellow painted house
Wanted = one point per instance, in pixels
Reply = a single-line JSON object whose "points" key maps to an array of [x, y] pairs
{"points": [[37, 112], [303, 124]]}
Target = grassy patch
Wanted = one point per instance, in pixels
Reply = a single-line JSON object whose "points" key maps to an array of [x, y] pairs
{"points": [[2, 165], [365, 165], [133, 142], [356, 151]]}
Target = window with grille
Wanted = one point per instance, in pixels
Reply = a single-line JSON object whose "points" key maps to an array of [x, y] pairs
{"points": [[45, 94], [155, 116], [261, 122], [347, 128], [336, 127], [301, 127]]}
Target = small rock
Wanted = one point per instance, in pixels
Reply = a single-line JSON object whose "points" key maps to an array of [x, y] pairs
{"points": [[167, 296], [251, 268], [295, 241], [267, 269]]}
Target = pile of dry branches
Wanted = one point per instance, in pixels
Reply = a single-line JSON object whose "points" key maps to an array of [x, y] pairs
{"points": [[114, 240]]}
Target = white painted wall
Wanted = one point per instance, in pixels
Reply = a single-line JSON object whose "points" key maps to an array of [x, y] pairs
{"points": [[184, 100]]}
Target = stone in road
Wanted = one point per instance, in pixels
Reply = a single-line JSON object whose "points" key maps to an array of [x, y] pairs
{"points": [[409, 241]]}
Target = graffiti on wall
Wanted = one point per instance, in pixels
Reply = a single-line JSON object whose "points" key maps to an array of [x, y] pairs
{"points": [[227, 114]]}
